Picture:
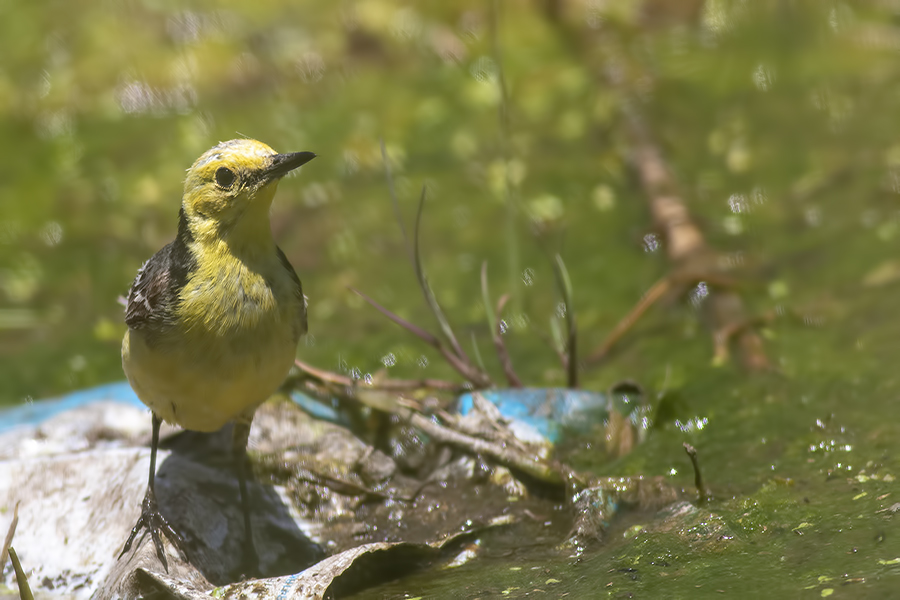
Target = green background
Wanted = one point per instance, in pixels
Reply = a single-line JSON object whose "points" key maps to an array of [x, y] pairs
{"points": [[778, 119]]}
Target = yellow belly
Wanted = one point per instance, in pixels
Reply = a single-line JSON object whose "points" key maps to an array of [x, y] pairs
{"points": [[231, 342], [202, 385]]}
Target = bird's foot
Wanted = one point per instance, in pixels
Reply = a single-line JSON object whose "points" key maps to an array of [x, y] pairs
{"points": [[249, 567], [154, 522]]}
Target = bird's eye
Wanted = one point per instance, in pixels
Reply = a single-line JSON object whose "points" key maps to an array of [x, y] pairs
{"points": [[225, 177]]}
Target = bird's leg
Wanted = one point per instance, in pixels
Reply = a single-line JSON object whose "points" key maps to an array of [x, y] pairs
{"points": [[240, 436], [150, 515]]}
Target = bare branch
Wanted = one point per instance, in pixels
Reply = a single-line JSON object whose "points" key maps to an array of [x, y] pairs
{"points": [[462, 366], [703, 495], [395, 385], [497, 335], [524, 462], [656, 291], [426, 337], [11, 532]]}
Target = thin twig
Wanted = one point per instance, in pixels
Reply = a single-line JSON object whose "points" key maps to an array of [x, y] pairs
{"points": [[464, 368], [10, 533], [417, 331], [382, 384], [656, 291], [426, 288], [723, 335], [526, 463], [685, 244], [414, 255], [703, 495], [494, 323]]}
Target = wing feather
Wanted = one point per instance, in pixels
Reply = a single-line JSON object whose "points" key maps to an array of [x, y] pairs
{"points": [[298, 291]]}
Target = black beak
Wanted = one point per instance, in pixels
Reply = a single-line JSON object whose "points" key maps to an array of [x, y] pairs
{"points": [[282, 164]]}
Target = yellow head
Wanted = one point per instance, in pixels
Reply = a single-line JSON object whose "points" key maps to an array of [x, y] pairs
{"points": [[229, 189]]}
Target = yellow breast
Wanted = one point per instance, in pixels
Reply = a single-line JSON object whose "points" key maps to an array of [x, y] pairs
{"points": [[232, 344]]}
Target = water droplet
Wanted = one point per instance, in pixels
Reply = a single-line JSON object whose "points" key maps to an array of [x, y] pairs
{"points": [[528, 276], [763, 77], [484, 69], [423, 361], [699, 294], [738, 203], [355, 373], [368, 379], [651, 242], [561, 310], [759, 195], [389, 360], [732, 260], [46, 85], [351, 162], [311, 67], [52, 233], [503, 326]]}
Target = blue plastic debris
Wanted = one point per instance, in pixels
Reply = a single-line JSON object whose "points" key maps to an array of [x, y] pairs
{"points": [[34, 413], [549, 410]]}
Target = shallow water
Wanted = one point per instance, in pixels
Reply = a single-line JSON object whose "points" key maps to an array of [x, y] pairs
{"points": [[776, 118]]}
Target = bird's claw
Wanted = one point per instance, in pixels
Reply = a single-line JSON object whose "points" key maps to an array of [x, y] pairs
{"points": [[154, 522], [249, 567]]}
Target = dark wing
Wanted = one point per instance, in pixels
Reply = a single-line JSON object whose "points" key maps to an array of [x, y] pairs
{"points": [[298, 290], [151, 294], [152, 297]]}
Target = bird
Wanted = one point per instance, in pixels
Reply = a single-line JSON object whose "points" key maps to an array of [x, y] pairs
{"points": [[214, 317]]}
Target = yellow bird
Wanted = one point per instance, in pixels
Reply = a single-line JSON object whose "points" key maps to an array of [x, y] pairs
{"points": [[214, 317]]}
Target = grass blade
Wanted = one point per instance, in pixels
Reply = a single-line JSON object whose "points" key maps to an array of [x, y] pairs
{"points": [[395, 202], [477, 354], [21, 579], [426, 289], [565, 287], [486, 298]]}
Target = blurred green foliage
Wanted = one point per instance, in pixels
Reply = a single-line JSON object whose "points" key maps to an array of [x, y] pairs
{"points": [[777, 117], [760, 107]]}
